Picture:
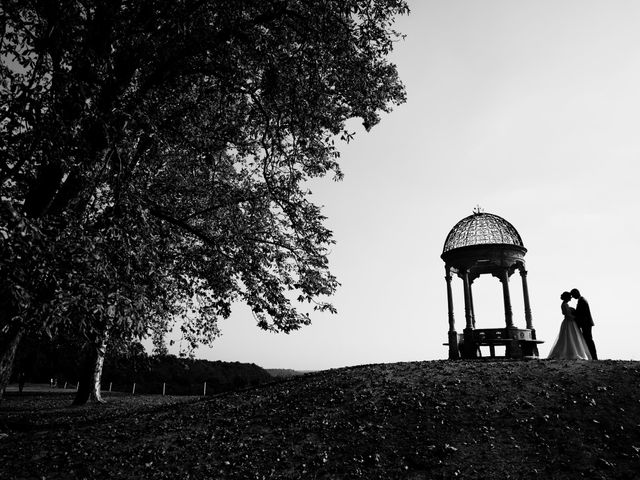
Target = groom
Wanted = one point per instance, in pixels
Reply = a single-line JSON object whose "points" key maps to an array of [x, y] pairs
{"points": [[584, 321]]}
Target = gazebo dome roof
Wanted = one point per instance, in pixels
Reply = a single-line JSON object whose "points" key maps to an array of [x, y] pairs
{"points": [[482, 229]]}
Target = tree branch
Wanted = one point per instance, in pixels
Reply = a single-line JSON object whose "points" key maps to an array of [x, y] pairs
{"points": [[162, 214]]}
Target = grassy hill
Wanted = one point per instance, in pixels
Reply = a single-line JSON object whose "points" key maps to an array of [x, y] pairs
{"points": [[471, 420]]}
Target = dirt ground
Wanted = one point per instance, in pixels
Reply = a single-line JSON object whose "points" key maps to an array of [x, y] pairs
{"points": [[424, 420]]}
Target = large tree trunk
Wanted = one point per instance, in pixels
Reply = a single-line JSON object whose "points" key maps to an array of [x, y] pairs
{"points": [[10, 337], [91, 373]]}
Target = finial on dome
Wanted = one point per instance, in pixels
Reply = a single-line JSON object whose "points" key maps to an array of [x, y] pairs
{"points": [[478, 210]]}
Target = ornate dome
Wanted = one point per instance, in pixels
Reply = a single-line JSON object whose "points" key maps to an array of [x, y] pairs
{"points": [[482, 229]]}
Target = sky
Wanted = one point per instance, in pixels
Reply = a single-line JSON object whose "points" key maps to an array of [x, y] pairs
{"points": [[529, 109]]}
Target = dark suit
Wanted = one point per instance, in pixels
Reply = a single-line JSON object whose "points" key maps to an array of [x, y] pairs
{"points": [[585, 322]]}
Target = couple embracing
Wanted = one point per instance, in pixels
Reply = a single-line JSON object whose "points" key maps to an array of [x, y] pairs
{"points": [[574, 340]]}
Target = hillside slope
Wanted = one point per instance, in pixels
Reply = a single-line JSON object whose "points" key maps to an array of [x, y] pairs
{"points": [[472, 420]]}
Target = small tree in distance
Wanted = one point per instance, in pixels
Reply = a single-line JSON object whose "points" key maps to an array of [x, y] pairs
{"points": [[155, 154]]}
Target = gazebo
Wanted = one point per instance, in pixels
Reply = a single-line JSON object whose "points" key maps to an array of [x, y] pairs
{"points": [[480, 244]]}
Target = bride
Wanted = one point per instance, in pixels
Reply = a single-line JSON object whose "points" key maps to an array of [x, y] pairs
{"points": [[570, 344]]}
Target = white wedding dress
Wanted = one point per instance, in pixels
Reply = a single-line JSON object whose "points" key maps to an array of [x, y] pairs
{"points": [[570, 344]]}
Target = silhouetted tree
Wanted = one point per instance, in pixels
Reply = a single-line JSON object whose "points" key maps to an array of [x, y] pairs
{"points": [[155, 156]]}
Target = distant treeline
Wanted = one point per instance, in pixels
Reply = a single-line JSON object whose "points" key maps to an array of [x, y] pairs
{"points": [[42, 361], [181, 376], [284, 372]]}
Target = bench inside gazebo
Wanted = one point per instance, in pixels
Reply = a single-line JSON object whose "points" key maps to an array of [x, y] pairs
{"points": [[517, 343]]}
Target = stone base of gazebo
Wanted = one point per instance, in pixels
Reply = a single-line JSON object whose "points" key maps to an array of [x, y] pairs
{"points": [[518, 343]]}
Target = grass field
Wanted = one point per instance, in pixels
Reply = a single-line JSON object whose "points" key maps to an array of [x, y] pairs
{"points": [[476, 420]]}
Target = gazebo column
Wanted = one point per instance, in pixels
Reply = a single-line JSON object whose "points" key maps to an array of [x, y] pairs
{"points": [[468, 306], [512, 349], [454, 352], [508, 312], [530, 349], [527, 305], [470, 350], [452, 322], [473, 312]]}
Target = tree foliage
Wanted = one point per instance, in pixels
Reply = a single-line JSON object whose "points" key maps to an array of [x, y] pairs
{"points": [[156, 154]]}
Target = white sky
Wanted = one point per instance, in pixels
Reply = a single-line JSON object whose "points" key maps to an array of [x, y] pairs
{"points": [[530, 109]]}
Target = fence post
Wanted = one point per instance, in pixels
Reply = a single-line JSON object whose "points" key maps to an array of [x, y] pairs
{"points": [[133, 391], [164, 386], [204, 392]]}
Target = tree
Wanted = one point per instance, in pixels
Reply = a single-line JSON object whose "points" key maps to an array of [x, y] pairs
{"points": [[156, 156]]}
